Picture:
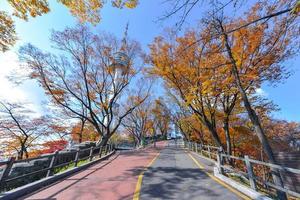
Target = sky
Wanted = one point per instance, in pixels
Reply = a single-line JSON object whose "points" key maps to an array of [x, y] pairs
{"points": [[143, 27]]}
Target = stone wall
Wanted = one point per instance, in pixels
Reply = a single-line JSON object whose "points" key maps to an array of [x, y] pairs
{"points": [[32, 165]]}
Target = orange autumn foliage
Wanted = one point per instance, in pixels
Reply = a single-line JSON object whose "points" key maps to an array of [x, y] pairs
{"points": [[88, 134]]}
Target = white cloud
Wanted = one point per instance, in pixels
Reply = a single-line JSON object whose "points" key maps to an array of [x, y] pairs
{"points": [[261, 92], [29, 92]]}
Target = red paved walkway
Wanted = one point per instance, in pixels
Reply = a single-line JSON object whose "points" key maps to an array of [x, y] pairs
{"points": [[115, 178]]}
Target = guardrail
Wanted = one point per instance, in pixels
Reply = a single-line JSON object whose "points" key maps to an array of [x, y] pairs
{"points": [[49, 164], [225, 164]]}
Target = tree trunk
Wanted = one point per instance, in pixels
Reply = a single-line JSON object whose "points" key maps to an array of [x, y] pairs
{"points": [[211, 127], [227, 136], [81, 130], [228, 140], [200, 136], [20, 155], [103, 141], [255, 121], [214, 134], [139, 141], [80, 138], [26, 154], [233, 150], [135, 143], [21, 152], [261, 136], [201, 132]]}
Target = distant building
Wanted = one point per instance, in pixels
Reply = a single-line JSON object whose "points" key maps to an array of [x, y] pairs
{"points": [[175, 133]]}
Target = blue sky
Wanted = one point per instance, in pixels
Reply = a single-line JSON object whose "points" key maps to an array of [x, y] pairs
{"points": [[143, 28]]}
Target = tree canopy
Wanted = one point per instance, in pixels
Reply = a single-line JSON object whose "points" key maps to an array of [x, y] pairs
{"points": [[83, 10]]}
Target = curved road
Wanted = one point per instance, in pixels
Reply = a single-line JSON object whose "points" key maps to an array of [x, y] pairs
{"points": [[174, 174]]}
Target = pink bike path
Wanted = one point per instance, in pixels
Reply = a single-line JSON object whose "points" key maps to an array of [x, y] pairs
{"points": [[111, 179]]}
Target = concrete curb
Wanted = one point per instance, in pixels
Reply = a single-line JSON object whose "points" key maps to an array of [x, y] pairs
{"points": [[32, 187], [245, 190], [209, 159]]}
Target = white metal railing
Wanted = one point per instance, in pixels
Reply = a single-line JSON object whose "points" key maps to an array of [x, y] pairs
{"points": [[224, 167]]}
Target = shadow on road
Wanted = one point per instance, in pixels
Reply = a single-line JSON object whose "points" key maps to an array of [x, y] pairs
{"points": [[174, 175], [172, 180]]}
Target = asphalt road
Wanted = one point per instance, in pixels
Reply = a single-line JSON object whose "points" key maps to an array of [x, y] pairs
{"points": [[174, 175]]}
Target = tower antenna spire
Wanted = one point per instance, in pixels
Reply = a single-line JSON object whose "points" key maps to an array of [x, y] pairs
{"points": [[125, 37]]}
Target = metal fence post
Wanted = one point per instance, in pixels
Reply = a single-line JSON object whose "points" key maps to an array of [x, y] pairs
{"points": [[7, 169], [209, 155], [219, 163], [91, 154], [250, 173], [76, 157], [106, 149], [196, 147], [51, 165], [100, 151], [201, 147]]}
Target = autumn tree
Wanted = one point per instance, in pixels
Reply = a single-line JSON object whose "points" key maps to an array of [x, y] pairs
{"points": [[191, 127], [83, 10], [181, 9], [52, 146], [162, 117], [58, 127], [283, 135], [82, 130], [179, 113], [7, 32], [216, 67], [90, 74], [256, 54], [183, 118], [84, 133], [230, 104], [191, 74], [20, 128], [139, 123]]}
